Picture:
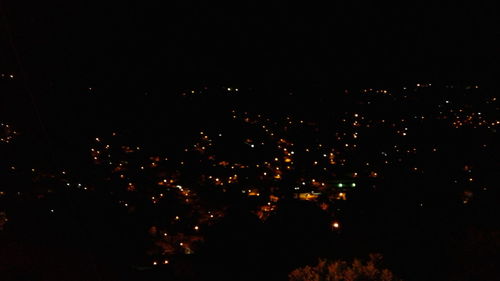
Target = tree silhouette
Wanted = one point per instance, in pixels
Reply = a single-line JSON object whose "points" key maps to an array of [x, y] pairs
{"points": [[339, 270]]}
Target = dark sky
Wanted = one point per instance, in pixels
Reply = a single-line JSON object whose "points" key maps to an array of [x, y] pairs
{"points": [[146, 42]]}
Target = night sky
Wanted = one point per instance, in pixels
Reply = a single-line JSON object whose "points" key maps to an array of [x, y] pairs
{"points": [[144, 42]]}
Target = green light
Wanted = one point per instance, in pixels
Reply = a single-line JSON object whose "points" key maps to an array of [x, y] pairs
{"points": [[340, 185], [353, 184]]}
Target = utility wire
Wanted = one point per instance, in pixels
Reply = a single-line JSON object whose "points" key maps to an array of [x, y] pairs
{"points": [[33, 103], [24, 81]]}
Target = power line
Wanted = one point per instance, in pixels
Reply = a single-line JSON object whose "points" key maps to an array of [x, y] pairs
{"points": [[23, 78]]}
